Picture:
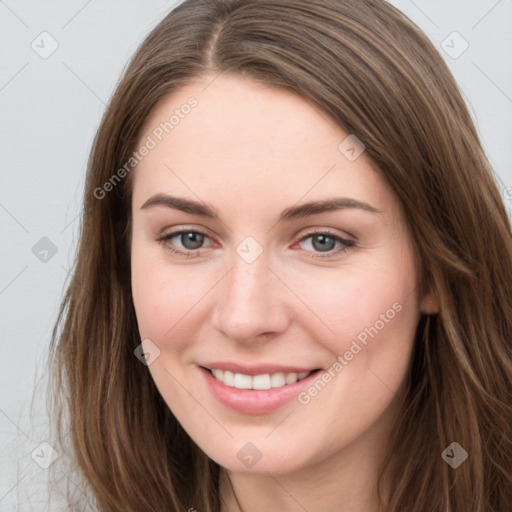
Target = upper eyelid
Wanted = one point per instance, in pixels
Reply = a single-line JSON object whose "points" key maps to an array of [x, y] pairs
{"points": [[182, 230]]}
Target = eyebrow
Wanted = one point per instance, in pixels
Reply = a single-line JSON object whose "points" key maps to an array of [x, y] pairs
{"points": [[292, 213]]}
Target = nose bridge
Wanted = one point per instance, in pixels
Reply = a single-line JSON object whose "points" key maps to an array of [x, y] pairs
{"points": [[250, 301]]}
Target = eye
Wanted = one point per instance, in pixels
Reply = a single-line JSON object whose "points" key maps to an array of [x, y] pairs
{"points": [[325, 242], [190, 242]]}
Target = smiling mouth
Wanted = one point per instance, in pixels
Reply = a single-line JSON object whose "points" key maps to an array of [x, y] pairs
{"points": [[258, 382]]}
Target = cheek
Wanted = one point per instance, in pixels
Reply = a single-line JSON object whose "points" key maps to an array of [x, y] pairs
{"points": [[374, 315], [369, 314], [350, 304], [170, 300], [162, 305], [160, 299]]}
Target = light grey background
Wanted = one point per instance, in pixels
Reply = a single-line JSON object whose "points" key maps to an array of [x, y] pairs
{"points": [[50, 108]]}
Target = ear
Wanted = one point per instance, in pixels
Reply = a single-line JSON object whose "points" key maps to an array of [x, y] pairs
{"points": [[429, 304]]}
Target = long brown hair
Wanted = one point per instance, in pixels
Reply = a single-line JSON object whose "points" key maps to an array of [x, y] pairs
{"points": [[369, 68]]}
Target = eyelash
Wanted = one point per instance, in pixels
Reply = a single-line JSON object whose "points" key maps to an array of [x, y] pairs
{"points": [[190, 253]]}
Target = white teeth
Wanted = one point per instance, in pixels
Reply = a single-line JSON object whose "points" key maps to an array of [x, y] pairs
{"points": [[228, 379], [243, 381], [278, 379], [291, 378], [259, 382]]}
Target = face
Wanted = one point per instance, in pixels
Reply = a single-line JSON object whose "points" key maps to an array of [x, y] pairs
{"points": [[231, 272]]}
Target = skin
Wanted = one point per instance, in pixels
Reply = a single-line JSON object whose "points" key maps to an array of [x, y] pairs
{"points": [[251, 150]]}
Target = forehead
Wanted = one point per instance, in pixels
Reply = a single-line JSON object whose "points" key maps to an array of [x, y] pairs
{"points": [[253, 138]]}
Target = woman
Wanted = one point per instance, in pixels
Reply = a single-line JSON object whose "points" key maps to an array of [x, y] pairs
{"points": [[291, 290]]}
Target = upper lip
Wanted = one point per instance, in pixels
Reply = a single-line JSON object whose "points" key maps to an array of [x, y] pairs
{"points": [[257, 369]]}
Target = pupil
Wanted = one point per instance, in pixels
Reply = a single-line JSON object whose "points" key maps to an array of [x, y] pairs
{"points": [[323, 246], [191, 240]]}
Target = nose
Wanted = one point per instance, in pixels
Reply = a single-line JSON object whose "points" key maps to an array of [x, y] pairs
{"points": [[250, 302]]}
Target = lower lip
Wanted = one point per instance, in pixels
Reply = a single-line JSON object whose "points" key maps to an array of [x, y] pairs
{"points": [[250, 401]]}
